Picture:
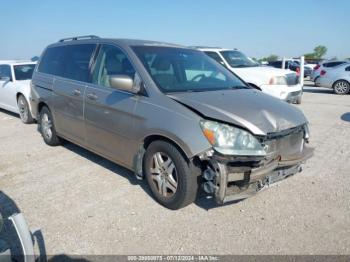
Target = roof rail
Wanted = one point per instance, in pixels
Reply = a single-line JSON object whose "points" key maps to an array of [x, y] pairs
{"points": [[203, 47], [79, 38]]}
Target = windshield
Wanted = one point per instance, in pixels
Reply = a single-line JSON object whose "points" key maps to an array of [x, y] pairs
{"points": [[238, 59], [185, 70], [24, 72]]}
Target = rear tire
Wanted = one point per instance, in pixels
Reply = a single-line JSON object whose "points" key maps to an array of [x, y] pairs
{"points": [[341, 87], [169, 175], [24, 111], [47, 128]]}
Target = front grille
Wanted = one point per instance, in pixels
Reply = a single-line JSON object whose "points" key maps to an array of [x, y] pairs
{"points": [[295, 93], [288, 145], [292, 79]]}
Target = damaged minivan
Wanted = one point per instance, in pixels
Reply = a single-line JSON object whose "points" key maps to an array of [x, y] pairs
{"points": [[171, 114]]}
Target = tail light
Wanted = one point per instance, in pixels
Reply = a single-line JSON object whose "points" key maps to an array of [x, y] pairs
{"points": [[323, 73], [317, 67], [298, 70]]}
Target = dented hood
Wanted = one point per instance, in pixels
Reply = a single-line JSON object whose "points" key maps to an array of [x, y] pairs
{"points": [[251, 109]]}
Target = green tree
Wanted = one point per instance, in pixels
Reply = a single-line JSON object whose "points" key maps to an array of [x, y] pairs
{"points": [[270, 58], [310, 56], [320, 51]]}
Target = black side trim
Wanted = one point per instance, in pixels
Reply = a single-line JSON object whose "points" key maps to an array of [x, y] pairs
{"points": [[44, 88]]}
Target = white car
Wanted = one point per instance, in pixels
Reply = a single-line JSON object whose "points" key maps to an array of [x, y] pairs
{"points": [[281, 83], [15, 77]]}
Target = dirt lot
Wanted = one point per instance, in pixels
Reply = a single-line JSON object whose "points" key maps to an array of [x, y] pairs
{"points": [[84, 204]]}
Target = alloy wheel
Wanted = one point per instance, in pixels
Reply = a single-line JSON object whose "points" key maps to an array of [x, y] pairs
{"points": [[164, 174], [46, 126], [341, 87], [23, 109]]}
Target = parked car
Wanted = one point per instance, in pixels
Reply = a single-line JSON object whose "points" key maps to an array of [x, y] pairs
{"points": [[324, 66], [15, 77], [292, 65], [337, 78], [279, 83], [169, 113]]}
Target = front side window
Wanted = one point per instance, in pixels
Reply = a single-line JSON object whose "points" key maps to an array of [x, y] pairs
{"points": [[238, 59], [347, 69], [5, 71], [24, 72], [77, 61], [111, 61], [185, 70]]}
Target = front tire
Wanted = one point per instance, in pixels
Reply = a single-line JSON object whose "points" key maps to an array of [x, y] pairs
{"points": [[298, 101], [24, 111], [341, 87], [47, 128], [169, 176]]}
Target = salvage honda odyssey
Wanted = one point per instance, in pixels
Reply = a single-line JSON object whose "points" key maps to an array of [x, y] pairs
{"points": [[171, 114]]}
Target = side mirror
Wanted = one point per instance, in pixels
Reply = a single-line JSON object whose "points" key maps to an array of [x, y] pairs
{"points": [[125, 83], [5, 79]]}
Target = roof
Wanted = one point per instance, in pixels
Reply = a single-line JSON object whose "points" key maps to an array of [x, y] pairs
{"points": [[121, 41]]}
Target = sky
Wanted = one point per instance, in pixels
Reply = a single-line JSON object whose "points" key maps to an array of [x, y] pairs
{"points": [[257, 27]]}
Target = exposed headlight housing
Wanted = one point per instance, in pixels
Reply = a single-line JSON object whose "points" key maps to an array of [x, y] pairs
{"points": [[229, 140], [278, 80], [306, 133]]}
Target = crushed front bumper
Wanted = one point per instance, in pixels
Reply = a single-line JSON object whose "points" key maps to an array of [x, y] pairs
{"points": [[292, 97], [233, 183]]}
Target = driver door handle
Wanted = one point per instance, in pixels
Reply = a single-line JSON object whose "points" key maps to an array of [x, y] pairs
{"points": [[76, 92]]}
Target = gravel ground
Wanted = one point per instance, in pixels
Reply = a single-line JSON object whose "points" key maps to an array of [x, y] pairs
{"points": [[85, 204]]}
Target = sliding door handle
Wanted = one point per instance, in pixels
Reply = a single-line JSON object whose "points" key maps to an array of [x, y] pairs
{"points": [[92, 96]]}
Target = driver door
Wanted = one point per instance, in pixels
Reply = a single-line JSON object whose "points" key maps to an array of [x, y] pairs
{"points": [[110, 112]]}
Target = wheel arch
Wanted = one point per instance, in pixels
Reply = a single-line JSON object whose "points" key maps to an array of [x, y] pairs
{"points": [[146, 141], [156, 137], [19, 94], [339, 81]]}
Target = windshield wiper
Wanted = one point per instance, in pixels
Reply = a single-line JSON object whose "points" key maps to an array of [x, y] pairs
{"points": [[239, 87]]}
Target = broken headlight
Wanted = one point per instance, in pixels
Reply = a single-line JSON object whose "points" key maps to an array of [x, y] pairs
{"points": [[229, 140]]}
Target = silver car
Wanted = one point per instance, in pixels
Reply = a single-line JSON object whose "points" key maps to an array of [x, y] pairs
{"points": [[169, 113], [324, 66], [337, 78]]}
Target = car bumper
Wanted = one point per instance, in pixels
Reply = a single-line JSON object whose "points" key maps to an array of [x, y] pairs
{"points": [[314, 75], [284, 92], [323, 82], [237, 183]]}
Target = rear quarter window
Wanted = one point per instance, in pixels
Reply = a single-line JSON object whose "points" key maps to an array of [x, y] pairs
{"points": [[77, 62], [52, 61]]}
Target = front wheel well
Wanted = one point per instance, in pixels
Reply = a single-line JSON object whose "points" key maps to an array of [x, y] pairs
{"points": [[148, 140], [41, 105], [18, 95]]}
